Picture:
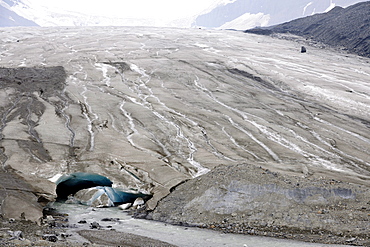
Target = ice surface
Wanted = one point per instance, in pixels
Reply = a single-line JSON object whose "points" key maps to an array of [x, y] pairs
{"points": [[70, 184], [112, 196]]}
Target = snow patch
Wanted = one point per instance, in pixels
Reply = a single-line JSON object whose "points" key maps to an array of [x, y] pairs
{"points": [[331, 6], [305, 8], [247, 21]]}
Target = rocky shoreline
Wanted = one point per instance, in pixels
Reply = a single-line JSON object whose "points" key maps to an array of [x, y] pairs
{"points": [[54, 232]]}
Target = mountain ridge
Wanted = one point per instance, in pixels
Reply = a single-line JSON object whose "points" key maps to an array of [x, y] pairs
{"points": [[347, 28], [277, 12], [221, 14], [9, 18]]}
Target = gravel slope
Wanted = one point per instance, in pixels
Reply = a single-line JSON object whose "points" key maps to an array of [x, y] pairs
{"points": [[252, 200], [346, 28]]}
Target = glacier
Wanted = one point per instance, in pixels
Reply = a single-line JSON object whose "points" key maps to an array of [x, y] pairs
{"points": [[150, 108]]}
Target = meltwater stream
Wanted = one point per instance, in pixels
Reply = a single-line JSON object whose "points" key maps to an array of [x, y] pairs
{"points": [[176, 235]]}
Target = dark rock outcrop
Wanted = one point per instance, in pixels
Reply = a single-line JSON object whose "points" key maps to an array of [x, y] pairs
{"points": [[347, 28]]}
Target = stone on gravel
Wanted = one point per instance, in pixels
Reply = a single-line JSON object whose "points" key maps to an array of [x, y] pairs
{"points": [[95, 225], [16, 235], [50, 237], [139, 202], [125, 206]]}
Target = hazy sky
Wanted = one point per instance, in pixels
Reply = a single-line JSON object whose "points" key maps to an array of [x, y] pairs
{"points": [[164, 9]]}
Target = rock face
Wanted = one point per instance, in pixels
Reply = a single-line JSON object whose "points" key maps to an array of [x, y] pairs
{"points": [[347, 28], [245, 198], [21, 200], [150, 108]]}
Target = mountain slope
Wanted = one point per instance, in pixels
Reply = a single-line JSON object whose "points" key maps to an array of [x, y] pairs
{"points": [[224, 14], [276, 11], [348, 28], [9, 18], [109, 13]]}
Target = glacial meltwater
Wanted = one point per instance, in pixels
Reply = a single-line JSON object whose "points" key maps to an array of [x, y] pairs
{"points": [[181, 236]]}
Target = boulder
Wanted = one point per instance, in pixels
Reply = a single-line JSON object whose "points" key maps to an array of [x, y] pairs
{"points": [[50, 237], [138, 203], [22, 206], [125, 206], [16, 235], [95, 225], [23, 201]]}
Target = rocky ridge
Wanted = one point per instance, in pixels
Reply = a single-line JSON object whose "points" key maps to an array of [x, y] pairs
{"points": [[345, 28]]}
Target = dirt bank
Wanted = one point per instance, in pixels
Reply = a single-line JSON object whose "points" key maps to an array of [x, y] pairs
{"points": [[251, 200]]}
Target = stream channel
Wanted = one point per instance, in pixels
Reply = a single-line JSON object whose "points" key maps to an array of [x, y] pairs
{"points": [[176, 235]]}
